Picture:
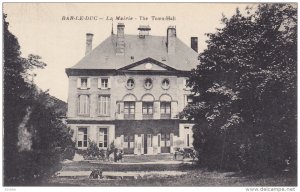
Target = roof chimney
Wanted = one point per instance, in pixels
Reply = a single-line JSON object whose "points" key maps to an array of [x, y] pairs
{"points": [[171, 39], [144, 30], [89, 43], [194, 43], [120, 39]]}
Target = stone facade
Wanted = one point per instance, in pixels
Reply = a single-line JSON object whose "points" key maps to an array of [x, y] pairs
{"points": [[134, 106]]}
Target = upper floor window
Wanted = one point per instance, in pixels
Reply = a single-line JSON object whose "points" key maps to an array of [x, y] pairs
{"points": [[165, 110], [82, 137], [130, 84], [104, 105], [186, 83], [165, 84], [83, 105], [188, 99], [104, 83], [147, 110], [83, 83], [148, 83], [129, 109]]}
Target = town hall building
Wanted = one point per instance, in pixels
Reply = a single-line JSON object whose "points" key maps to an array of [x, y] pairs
{"points": [[129, 90]]}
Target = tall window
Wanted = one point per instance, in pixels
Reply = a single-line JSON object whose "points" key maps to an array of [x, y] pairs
{"points": [[165, 110], [147, 110], [82, 137], [103, 137], [104, 105], [129, 109], [83, 105]]}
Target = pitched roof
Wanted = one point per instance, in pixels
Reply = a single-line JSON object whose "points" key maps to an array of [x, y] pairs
{"points": [[104, 57]]}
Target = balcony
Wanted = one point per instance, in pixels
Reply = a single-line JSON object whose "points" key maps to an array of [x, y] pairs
{"points": [[147, 116], [129, 116], [165, 116]]}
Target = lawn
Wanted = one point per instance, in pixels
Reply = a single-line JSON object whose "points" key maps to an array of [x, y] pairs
{"points": [[194, 176]]}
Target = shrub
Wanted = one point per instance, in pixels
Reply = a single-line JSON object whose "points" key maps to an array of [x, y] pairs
{"points": [[92, 150]]}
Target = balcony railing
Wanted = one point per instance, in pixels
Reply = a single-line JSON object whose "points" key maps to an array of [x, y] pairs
{"points": [[147, 116], [129, 116], [165, 116]]}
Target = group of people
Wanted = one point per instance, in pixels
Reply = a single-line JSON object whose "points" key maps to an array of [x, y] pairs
{"points": [[185, 153]]}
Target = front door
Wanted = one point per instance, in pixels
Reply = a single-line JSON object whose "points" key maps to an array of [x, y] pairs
{"points": [[165, 138]]}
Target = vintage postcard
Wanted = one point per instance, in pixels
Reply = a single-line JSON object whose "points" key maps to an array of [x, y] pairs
{"points": [[150, 94]]}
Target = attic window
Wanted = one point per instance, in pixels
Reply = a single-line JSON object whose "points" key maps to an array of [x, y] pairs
{"points": [[130, 83], [163, 58], [148, 83], [165, 84]]}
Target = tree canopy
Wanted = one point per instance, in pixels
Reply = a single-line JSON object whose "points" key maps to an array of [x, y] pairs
{"points": [[33, 128], [245, 98]]}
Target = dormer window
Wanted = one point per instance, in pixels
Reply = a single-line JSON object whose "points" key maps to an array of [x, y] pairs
{"points": [[165, 84], [148, 83], [130, 83], [83, 83], [104, 83]]}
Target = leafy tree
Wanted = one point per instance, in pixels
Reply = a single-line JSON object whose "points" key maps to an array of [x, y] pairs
{"points": [[245, 92], [32, 125]]}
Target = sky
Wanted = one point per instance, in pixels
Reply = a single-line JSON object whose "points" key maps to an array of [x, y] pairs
{"points": [[41, 30]]}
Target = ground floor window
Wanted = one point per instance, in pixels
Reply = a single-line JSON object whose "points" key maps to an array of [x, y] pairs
{"points": [[82, 137], [103, 137], [129, 141]]}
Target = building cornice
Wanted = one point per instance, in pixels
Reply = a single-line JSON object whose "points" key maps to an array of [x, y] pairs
{"points": [[90, 121], [113, 72]]}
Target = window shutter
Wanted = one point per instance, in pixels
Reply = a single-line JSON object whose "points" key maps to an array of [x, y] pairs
{"points": [[78, 82], [108, 83], [108, 106], [184, 84], [121, 107], [99, 83], [88, 83]]}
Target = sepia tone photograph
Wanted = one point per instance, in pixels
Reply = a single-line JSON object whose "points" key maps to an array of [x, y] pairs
{"points": [[150, 94]]}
